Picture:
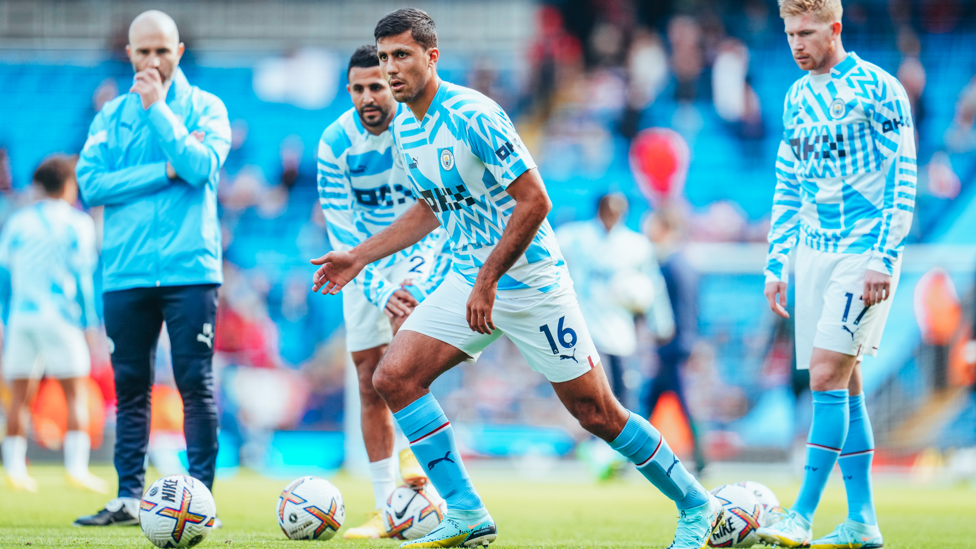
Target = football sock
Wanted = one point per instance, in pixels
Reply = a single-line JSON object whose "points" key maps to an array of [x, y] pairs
{"points": [[14, 451], [432, 440], [641, 443], [855, 464], [471, 517], [383, 475], [77, 449], [827, 435]]}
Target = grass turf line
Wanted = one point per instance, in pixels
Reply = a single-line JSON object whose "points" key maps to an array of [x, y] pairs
{"points": [[614, 514]]}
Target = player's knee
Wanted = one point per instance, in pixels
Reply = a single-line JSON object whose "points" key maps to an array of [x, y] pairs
{"points": [[825, 378], [385, 382], [368, 395], [366, 389]]}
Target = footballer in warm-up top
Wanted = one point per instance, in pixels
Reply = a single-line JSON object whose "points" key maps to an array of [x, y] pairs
{"points": [[845, 195], [478, 181], [361, 194]]}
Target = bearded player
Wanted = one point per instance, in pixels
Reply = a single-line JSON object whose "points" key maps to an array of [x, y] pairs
{"points": [[844, 199], [464, 157], [361, 194]]}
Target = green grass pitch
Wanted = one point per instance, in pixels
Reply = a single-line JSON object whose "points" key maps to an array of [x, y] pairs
{"points": [[623, 513]]}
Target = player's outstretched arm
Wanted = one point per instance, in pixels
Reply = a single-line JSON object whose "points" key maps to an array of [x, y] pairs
{"points": [[338, 205], [532, 205], [337, 268]]}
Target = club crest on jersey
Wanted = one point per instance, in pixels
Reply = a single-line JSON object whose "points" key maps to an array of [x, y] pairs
{"points": [[447, 159], [838, 109]]}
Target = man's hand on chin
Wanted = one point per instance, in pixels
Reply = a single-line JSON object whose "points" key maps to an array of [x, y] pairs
{"points": [[149, 86]]}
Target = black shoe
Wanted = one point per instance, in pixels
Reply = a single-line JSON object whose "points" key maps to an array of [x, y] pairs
{"points": [[114, 514]]}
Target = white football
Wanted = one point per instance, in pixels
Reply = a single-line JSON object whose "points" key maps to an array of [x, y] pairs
{"points": [[743, 516], [310, 508], [177, 511], [632, 290], [772, 512], [410, 514]]}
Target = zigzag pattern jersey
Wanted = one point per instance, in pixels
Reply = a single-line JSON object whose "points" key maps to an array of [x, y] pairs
{"points": [[361, 194], [460, 159], [845, 171]]}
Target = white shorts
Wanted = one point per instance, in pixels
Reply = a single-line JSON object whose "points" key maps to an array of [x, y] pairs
{"points": [[548, 329], [829, 312], [35, 345], [367, 326]]}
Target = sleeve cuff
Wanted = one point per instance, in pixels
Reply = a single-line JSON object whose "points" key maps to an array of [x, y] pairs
{"points": [[880, 264], [770, 277], [383, 297], [519, 168]]}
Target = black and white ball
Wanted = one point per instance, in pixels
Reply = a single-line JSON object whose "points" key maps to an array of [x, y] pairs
{"points": [[410, 514], [743, 516], [177, 511], [310, 508]]}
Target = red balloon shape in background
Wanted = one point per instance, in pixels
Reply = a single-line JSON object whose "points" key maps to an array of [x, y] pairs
{"points": [[659, 159]]}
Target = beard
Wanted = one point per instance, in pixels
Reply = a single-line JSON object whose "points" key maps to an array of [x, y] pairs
{"points": [[380, 114]]}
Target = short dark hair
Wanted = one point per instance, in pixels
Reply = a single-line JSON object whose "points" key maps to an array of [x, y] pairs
{"points": [[420, 25], [364, 57], [54, 172]]}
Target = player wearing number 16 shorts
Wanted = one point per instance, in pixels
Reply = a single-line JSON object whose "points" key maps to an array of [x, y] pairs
{"points": [[844, 198], [479, 183], [361, 194]]}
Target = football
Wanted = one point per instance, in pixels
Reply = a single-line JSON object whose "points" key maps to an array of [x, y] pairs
{"points": [[410, 514], [632, 290], [310, 508], [743, 516], [177, 511], [772, 512]]}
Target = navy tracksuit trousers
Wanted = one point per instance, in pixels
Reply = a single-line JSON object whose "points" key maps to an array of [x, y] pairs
{"points": [[133, 320]]}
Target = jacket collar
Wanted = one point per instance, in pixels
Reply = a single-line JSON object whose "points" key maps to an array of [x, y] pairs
{"points": [[179, 87]]}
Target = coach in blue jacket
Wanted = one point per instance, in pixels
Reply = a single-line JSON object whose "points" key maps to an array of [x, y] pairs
{"points": [[152, 159]]}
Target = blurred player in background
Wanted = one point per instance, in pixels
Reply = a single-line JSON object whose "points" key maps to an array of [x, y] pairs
{"points": [[361, 194], [47, 259], [666, 229], [152, 158], [617, 277], [466, 160], [846, 192]]}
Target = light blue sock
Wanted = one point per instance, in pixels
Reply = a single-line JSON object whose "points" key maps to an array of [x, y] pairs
{"points": [[643, 444], [827, 435], [432, 441], [855, 464]]}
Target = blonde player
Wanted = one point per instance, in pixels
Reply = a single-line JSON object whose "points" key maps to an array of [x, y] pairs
{"points": [[844, 199]]}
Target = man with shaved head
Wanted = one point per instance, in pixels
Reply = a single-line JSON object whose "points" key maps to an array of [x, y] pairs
{"points": [[152, 159]]}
